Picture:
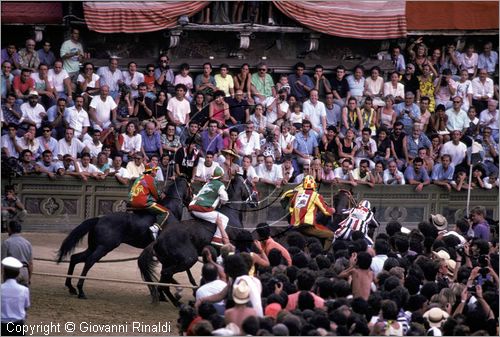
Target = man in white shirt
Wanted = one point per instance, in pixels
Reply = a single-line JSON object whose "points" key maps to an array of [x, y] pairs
{"points": [[343, 174], [120, 173], [248, 169], [94, 144], [112, 77], [276, 108], [367, 147], [87, 169], [315, 111], [382, 248], [32, 111], [178, 108], [70, 145], [250, 141], [270, 173], [392, 176], [62, 82], [489, 118], [488, 59], [72, 53], [78, 119], [102, 109], [205, 168], [212, 285], [482, 90], [457, 118], [455, 148]]}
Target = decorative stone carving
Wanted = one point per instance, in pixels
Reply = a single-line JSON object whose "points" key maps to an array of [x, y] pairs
{"points": [[120, 206], [395, 213], [52, 206]]}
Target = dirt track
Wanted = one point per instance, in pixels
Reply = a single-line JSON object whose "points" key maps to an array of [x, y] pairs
{"points": [[107, 303]]}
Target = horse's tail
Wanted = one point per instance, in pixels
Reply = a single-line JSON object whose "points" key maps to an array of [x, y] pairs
{"points": [[75, 237], [147, 264]]}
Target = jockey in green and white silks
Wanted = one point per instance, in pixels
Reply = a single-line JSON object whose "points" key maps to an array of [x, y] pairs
{"points": [[204, 204]]}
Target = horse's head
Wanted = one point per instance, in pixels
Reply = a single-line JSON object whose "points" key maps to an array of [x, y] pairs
{"points": [[343, 201], [241, 189], [184, 189]]}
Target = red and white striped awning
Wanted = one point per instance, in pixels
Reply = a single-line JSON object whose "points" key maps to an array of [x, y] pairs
{"points": [[137, 17], [351, 19]]}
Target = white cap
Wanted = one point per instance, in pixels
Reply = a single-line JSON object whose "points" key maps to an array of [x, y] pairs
{"points": [[12, 263]]}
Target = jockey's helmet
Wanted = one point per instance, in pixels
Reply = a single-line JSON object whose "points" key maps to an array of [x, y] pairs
{"points": [[150, 168], [366, 204], [218, 173], [309, 183]]}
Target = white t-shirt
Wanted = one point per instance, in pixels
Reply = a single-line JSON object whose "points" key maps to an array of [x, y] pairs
{"points": [[93, 148], [103, 109], [39, 83], [58, 79], [179, 109], [457, 152], [314, 112], [71, 64], [122, 172], [92, 83], [211, 288], [205, 172], [131, 143], [90, 169], [272, 116], [338, 173]]}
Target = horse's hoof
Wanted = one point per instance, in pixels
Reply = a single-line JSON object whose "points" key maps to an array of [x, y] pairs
{"points": [[82, 296], [72, 291]]}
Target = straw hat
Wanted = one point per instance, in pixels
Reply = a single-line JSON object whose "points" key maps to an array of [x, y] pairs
{"points": [[241, 292], [436, 317], [439, 221], [231, 152]]}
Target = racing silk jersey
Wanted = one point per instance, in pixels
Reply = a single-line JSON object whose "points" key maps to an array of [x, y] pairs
{"points": [[357, 220], [209, 196], [303, 207], [144, 191]]}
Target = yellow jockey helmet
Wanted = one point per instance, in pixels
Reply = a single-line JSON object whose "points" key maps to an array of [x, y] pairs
{"points": [[309, 183]]}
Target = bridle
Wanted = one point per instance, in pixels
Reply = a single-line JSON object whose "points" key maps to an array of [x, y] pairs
{"points": [[251, 194], [177, 196]]}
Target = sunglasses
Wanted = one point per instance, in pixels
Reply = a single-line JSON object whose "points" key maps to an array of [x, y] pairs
{"points": [[150, 70], [262, 69], [46, 130]]}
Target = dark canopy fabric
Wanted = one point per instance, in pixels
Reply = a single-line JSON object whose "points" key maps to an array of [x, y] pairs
{"points": [[32, 12]]}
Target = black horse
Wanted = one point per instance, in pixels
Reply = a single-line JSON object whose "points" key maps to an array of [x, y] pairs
{"points": [[108, 232], [178, 247]]}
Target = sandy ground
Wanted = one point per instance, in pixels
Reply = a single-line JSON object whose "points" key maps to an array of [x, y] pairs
{"points": [[108, 304]]}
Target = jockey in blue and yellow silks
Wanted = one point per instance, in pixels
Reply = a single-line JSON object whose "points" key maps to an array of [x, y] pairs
{"points": [[145, 194]]}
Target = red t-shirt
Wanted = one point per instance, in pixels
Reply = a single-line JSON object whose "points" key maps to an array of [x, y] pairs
{"points": [[25, 87]]}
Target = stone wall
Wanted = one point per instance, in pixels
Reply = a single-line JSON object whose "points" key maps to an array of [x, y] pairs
{"points": [[63, 203]]}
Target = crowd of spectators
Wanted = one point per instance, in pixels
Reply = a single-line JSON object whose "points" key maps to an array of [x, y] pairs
{"points": [[435, 280], [63, 116]]}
